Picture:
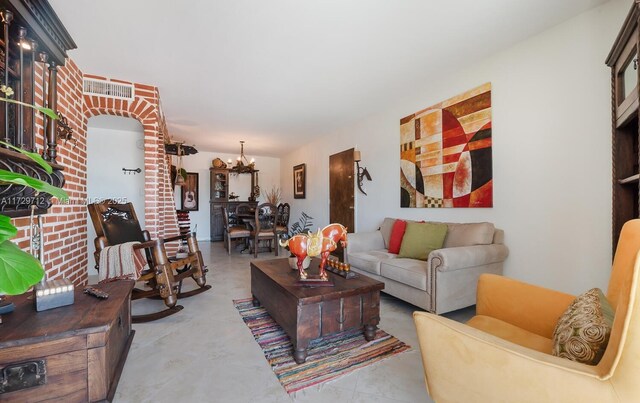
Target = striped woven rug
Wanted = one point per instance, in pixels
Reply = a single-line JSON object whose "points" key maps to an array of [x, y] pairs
{"points": [[328, 357]]}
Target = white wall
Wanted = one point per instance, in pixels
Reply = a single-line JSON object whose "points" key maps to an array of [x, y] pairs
{"points": [[268, 176], [551, 152], [114, 143]]}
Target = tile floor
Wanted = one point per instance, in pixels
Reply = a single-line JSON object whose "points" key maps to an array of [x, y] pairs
{"points": [[205, 353]]}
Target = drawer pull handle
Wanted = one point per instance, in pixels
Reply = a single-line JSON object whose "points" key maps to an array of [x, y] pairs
{"points": [[22, 376]]}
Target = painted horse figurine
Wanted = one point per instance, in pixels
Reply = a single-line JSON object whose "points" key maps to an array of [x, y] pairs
{"points": [[335, 232], [303, 245]]}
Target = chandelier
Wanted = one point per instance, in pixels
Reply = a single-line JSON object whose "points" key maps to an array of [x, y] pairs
{"points": [[243, 165]]}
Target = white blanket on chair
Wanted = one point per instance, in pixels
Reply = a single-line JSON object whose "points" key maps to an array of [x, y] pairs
{"points": [[121, 262]]}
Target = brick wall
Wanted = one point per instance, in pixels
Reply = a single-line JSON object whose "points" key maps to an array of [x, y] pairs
{"points": [[65, 224]]}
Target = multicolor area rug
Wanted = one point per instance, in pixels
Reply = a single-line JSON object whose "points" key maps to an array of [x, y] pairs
{"points": [[328, 357]]}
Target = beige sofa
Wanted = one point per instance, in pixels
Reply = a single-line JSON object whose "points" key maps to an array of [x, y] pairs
{"points": [[447, 280]]}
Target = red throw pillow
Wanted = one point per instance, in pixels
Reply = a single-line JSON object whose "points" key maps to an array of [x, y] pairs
{"points": [[397, 232]]}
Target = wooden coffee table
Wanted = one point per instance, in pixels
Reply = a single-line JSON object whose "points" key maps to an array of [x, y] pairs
{"points": [[307, 313]]}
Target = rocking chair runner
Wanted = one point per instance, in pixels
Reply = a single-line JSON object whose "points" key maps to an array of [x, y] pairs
{"points": [[116, 224]]}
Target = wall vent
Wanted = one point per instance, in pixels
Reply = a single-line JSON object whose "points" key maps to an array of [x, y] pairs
{"points": [[109, 89]]}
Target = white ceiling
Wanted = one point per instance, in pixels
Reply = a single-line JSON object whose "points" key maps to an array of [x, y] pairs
{"points": [[276, 73]]}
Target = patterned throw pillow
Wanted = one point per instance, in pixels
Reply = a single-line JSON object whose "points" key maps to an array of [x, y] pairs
{"points": [[582, 333]]}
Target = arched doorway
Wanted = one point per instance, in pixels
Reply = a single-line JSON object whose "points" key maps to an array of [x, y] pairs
{"points": [[114, 143]]}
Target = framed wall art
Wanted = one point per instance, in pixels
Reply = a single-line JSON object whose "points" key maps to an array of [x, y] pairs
{"points": [[300, 181], [445, 153], [189, 192]]}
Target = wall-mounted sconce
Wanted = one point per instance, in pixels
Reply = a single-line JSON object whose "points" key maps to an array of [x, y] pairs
{"points": [[361, 172]]}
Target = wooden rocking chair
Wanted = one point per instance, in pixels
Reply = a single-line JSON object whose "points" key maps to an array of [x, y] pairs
{"points": [[116, 224]]}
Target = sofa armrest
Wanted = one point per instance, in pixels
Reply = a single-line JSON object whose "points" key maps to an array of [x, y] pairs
{"points": [[462, 257], [527, 306], [464, 364], [364, 241]]}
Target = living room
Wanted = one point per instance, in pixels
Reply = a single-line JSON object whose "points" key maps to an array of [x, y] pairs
{"points": [[551, 114]]}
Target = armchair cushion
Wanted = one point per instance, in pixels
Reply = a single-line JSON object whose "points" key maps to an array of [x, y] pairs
{"points": [[422, 238], [582, 333], [512, 333], [530, 307]]}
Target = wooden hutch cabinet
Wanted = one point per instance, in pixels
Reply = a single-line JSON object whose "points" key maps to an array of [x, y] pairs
{"points": [[623, 60], [220, 198]]}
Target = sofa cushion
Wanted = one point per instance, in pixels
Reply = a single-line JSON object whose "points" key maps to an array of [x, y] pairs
{"points": [[385, 229], [397, 233], [421, 238], [582, 332], [411, 272], [469, 234], [369, 261], [512, 333]]}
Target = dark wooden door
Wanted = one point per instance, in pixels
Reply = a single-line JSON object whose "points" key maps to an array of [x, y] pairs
{"points": [[341, 191]]}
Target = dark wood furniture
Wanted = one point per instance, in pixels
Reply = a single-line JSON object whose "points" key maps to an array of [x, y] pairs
{"points": [[284, 211], [116, 224], [234, 231], [79, 350], [219, 188], [309, 313], [31, 34], [623, 60], [264, 227], [217, 218]]}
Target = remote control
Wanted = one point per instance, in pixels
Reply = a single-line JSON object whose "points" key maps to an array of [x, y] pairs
{"points": [[95, 292]]}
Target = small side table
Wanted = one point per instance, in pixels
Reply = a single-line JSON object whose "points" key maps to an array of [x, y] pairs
{"points": [[72, 353]]}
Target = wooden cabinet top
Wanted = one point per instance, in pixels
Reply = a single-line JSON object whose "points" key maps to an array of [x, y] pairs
{"points": [[87, 315]]}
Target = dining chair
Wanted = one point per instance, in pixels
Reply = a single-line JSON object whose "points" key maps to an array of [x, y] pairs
{"points": [[244, 210], [233, 231], [266, 217], [282, 227]]}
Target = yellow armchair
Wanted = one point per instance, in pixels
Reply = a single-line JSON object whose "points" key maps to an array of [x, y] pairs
{"points": [[504, 352]]}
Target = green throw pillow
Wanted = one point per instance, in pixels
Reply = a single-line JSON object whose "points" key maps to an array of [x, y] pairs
{"points": [[582, 333], [421, 238]]}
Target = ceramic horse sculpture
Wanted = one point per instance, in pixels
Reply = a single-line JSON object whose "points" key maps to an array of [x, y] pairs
{"points": [[321, 243], [335, 232]]}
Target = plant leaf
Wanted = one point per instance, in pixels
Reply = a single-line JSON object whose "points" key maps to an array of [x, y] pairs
{"points": [[7, 230], [46, 111], [34, 156], [40, 186], [18, 269]]}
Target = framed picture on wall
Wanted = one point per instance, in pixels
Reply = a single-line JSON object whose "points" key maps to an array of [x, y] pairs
{"points": [[189, 192], [300, 181]]}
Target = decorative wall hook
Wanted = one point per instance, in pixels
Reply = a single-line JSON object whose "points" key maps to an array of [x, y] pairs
{"points": [[128, 171], [64, 131], [361, 172]]}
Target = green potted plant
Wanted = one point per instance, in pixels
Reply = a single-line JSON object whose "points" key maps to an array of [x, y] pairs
{"points": [[302, 226], [18, 269]]}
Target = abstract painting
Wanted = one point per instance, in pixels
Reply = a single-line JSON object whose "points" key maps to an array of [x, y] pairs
{"points": [[445, 153]]}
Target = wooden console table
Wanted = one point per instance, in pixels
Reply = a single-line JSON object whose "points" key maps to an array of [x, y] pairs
{"points": [[73, 353]]}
